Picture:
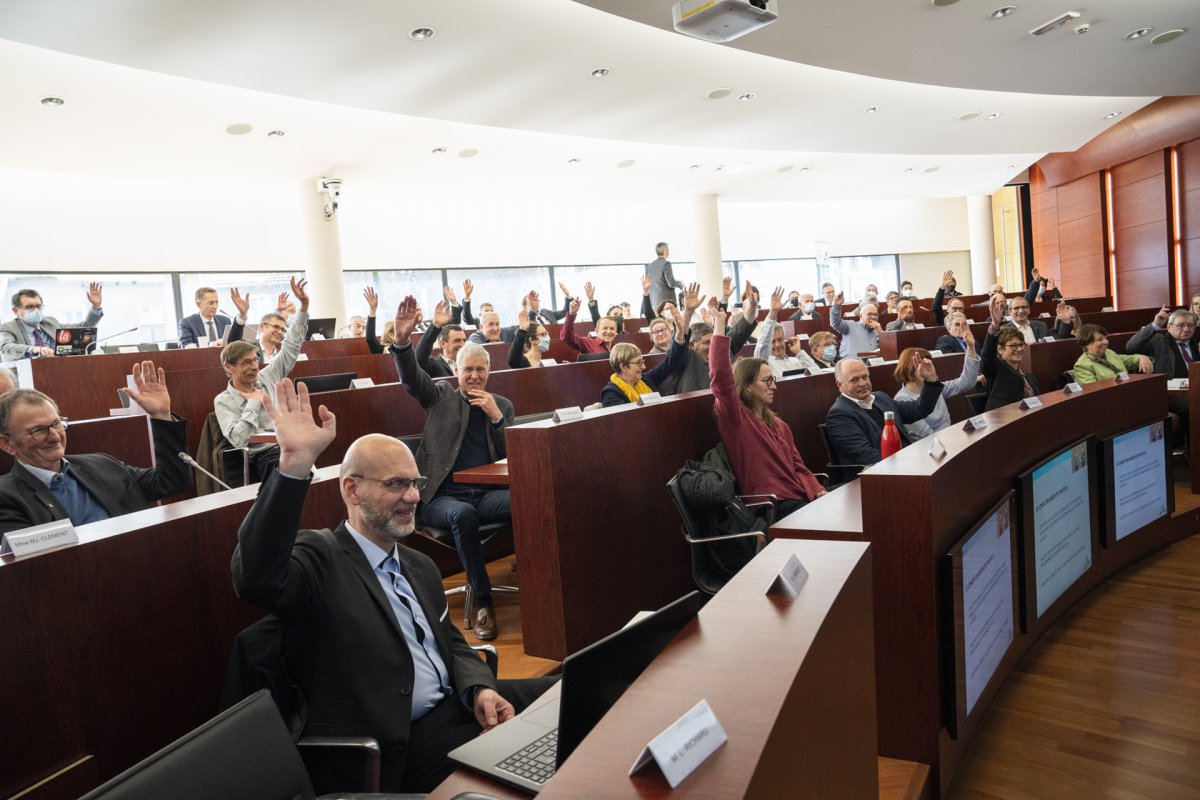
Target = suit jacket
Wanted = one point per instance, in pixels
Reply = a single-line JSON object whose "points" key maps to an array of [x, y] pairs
{"points": [[435, 367], [1004, 383], [192, 327], [15, 341], [1159, 345], [118, 487], [507, 334], [948, 344], [343, 647], [662, 282], [446, 417], [855, 433], [1040, 331]]}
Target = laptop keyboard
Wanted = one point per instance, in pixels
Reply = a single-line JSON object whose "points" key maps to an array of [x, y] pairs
{"points": [[535, 762]]}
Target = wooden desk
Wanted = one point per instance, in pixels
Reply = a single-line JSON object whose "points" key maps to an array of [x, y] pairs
{"points": [[808, 691], [940, 500], [487, 475]]}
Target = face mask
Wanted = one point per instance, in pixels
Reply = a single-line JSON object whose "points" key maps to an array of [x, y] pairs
{"points": [[620, 324], [34, 317], [829, 353], [544, 343], [808, 307], [871, 295]]}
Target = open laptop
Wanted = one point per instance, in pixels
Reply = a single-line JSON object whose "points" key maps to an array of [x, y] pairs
{"points": [[73, 341], [525, 751]]}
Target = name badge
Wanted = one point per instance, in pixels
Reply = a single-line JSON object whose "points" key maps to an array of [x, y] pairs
{"points": [[1072, 388], [38, 538], [937, 450], [649, 399], [790, 580], [361, 383], [976, 423], [1030, 403], [685, 745], [568, 414]]}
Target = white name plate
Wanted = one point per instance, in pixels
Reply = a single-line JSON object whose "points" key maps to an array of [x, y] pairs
{"points": [[1121, 376], [874, 362], [302, 357], [1108, 308], [1177, 383], [548, 362], [976, 423], [1030, 403], [790, 580], [568, 414], [1072, 388], [649, 399], [127, 348], [935, 353], [937, 450], [685, 745], [919, 325], [38, 538], [1047, 339], [361, 383], [1044, 315]]}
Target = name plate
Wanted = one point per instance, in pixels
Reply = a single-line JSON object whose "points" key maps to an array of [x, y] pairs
{"points": [[38, 538], [1072, 388], [568, 414], [1121, 376], [1108, 308], [1177, 383], [1047, 339], [127, 348], [918, 325], [1044, 315], [1030, 403], [976, 423], [802, 337], [302, 357], [361, 383], [935, 353], [874, 362], [685, 745], [937, 450], [790, 580], [548, 362], [649, 399]]}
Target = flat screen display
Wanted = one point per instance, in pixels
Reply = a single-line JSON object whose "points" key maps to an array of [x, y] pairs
{"points": [[1138, 482]]}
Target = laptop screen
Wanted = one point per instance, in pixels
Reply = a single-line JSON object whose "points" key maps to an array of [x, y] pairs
{"points": [[73, 341]]}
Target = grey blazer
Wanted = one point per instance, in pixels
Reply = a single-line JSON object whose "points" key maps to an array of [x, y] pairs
{"points": [[15, 341], [662, 281]]}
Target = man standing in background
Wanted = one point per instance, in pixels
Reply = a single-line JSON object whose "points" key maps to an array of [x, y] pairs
{"points": [[662, 279]]}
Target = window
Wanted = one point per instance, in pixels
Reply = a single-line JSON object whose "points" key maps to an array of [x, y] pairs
{"points": [[145, 302], [264, 289], [614, 284], [392, 286], [504, 287]]}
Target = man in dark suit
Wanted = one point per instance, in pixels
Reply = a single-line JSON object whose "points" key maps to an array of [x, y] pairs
{"points": [[368, 636], [662, 280], [44, 485], [206, 323], [32, 332], [854, 423], [1032, 330], [450, 338], [1168, 340]]}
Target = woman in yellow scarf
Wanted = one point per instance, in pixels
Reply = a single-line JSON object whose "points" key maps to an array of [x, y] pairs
{"points": [[630, 377]]}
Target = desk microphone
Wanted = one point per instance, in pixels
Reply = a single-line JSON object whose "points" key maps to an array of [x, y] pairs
{"points": [[191, 462], [115, 335]]}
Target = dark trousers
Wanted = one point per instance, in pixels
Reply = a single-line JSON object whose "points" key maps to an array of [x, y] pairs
{"points": [[462, 511]]}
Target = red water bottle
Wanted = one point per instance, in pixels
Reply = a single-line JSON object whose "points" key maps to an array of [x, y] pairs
{"points": [[890, 441]]}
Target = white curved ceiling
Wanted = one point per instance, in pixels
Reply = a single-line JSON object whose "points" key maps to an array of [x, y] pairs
{"points": [[151, 86]]}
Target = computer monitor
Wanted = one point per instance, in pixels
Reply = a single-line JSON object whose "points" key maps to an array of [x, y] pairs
{"points": [[325, 326]]}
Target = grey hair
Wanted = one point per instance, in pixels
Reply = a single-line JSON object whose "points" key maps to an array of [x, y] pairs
{"points": [[22, 397], [660, 248], [1181, 312], [472, 349]]}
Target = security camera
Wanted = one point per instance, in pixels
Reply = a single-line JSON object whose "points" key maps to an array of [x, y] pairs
{"points": [[1082, 29], [332, 189]]}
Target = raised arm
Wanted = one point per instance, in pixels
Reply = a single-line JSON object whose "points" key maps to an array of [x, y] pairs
{"points": [[467, 317], [415, 380], [567, 332], [516, 351], [911, 411], [835, 315], [593, 306], [939, 313]]}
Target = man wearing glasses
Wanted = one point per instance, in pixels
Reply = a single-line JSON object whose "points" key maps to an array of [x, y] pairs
{"points": [[1168, 340], [1032, 330], [32, 332], [44, 485]]}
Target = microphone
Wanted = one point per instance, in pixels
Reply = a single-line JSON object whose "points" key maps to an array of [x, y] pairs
{"points": [[191, 462], [113, 336]]}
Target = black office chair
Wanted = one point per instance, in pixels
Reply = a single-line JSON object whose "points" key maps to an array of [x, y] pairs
{"points": [[243, 753], [839, 473], [716, 559], [977, 402]]}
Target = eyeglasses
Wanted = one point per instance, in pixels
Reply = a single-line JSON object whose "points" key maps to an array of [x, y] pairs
{"points": [[398, 485], [1182, 325], [275, 326], [770, 381], [38, 307], [40, 433], [637, 362], [659, 331], [247, 362], [1015, 346]]}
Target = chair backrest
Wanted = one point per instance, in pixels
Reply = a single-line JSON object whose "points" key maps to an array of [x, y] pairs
{"points": [[977, 402], [713, 563], [244, 753], [838, 472]]}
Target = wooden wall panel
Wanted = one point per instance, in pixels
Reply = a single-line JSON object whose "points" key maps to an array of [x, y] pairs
{"points": [[1189, 214], [1142, 231], [1043, 204], [1080, 199], [1068, 234]]}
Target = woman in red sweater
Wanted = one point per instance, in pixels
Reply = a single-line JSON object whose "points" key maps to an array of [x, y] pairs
{"points": [[760, 444]]}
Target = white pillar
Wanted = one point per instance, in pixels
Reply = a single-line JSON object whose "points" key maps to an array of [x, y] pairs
{"points": [[324, 252], [982, 241], [708, 244]]}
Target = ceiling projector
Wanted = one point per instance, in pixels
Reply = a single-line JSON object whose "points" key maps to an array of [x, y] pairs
{"points": [[722, 20]]}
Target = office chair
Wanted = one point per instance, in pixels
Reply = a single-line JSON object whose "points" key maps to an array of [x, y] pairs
{"points": [[715, 559], [977, 402], [243, 753], [840, 473]]}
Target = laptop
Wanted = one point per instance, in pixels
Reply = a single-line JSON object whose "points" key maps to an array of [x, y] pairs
{"points": [[525, 751], [73, 341], [325, 326]]}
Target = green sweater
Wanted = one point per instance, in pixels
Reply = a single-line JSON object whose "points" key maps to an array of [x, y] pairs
{"points": [[1089, 369]]}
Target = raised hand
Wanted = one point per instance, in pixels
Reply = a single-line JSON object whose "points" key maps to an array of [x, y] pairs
{"points": [[947, 279], [776, 302], [448, 293], [1050, 285], [533, 300], [839, 299], [406, 320], [749, 304], [692, 297], [95, 294], [927, 371], [574, 307], [300, 438], [282, 303], [680, 322], [969, 337], [468, 287], [562, 287], [240, 301], [718, 322], [441, 314], [150, 390], [726, 289], [1162, 317], [1064, 312], [372, 300], [997, 310], [646, 284], [523, 319], [298, 289], [590, 291]]}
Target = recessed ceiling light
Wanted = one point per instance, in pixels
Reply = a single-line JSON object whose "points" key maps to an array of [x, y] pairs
{"points": [[909, 170], [717, 94], [470, 152], [785, 168], [239, 129], [871, 110], [806, 169], [969, 115], [994, 115], [1111, 115], [629, 162], [928, 170], [276, 134], [1002, 12], [719, 168], [53, 101], [1057, 22], [694, 166], [600, 72], [746, 96], [1167, 36], [1013, 166], [420, 34], [437, 151], [1139, 33], [574, 160], [942, 3]]}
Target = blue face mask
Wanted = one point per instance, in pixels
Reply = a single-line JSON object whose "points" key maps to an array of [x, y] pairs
{"points": [[544, 343], [829, 353], [808, 307], [34, 317]]}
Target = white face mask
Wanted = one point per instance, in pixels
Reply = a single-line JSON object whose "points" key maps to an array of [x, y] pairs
{"points": [[544, 343], [34, 317], [808, 307]]}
